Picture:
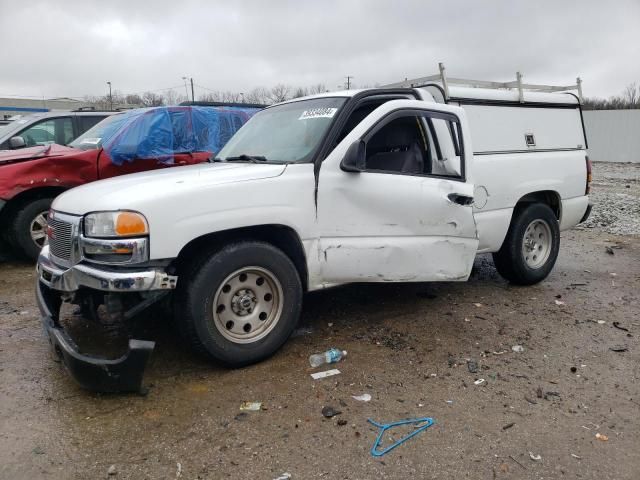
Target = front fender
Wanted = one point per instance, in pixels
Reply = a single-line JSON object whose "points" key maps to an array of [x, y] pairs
{"points": [[286, 200]]}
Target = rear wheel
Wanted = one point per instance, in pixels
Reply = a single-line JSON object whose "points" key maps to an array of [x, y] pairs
{"points": [[28, 230], [531, 247], [239, 305]]}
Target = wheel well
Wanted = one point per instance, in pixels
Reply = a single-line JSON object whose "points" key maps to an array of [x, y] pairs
{"points": [[548, 197], [28, 195], [280, 236]]}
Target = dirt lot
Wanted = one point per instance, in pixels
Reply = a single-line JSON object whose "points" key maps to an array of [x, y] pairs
{"points": [[409, 347]]}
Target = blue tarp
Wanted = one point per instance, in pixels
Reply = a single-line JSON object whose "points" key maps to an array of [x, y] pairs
{"points": [[162, 132]]}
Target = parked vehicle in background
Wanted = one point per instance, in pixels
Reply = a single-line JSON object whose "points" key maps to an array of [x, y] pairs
{"points": [[377, 185], [48, 127], [131, 141]]}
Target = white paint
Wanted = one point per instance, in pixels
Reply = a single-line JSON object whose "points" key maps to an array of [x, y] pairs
{"points": [[382, 227], [613, 135], [496, 129], [372, 227], [509, 177]]}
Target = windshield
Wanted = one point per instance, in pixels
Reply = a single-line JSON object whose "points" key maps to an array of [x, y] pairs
{"points": [[286, 133], [99, 133]]}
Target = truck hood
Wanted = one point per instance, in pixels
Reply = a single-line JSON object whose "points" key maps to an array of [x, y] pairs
{"points": [[135, 191], [31, 153]]}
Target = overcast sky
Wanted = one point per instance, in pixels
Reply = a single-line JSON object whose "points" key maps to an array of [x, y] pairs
{"points": [[72, 48]]}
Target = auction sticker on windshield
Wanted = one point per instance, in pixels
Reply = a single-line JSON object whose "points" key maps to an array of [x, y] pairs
{"points": [[91, 141], [318, 113]]}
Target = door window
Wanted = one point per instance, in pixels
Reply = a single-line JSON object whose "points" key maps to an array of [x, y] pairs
{"points": [[86, 122], [54, 130], [416, 143]]}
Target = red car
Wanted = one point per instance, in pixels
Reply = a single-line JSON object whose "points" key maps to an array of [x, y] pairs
{"points": [[128, 142]]}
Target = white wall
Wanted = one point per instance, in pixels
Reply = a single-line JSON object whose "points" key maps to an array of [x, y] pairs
{"points": [[613, 135]]}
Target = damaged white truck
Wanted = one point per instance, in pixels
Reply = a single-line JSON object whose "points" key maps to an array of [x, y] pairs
{"points": [[398, 184]]}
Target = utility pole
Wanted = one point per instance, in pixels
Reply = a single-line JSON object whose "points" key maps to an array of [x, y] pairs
{"points": [[193, 97], [349, 77], [110, 96], [186, 91]]}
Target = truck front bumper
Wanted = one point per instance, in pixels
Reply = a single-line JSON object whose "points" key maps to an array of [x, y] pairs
{"points": [[82, 275], [123, 374]]}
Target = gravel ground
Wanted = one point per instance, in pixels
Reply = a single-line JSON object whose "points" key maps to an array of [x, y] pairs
{"points": [[615, 193], [566, 406]]}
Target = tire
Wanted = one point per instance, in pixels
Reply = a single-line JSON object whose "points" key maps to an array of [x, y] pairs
{"points": [[531, 247], [232, 330], [19, 235]]}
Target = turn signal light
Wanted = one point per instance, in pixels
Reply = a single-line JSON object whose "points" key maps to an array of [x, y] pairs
{"points": [[129, 223]]}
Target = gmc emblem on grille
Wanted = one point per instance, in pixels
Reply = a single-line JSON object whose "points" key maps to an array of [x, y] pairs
{"points": [[50, 232]]}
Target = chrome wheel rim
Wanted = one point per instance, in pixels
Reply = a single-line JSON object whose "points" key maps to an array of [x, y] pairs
{"points": [[38, 229], [247, 305], [537, 243]]}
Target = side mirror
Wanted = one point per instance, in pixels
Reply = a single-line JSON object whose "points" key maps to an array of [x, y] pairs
{"points": [[17, 142], [354, 159]]}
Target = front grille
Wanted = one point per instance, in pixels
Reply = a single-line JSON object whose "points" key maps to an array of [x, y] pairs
{"points": [[60, 239]]}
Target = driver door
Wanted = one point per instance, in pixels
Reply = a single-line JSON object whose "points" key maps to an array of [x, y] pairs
{"points": [[404, 213]]}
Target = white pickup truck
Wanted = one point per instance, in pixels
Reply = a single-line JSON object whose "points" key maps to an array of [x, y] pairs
{"points": [[376, 185]]}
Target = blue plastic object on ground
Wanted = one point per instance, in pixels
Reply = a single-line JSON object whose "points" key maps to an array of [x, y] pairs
{"points": [[427, 421]]}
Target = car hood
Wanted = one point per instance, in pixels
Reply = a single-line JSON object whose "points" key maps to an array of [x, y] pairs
{"points": [[135, 191], [31, 153]]}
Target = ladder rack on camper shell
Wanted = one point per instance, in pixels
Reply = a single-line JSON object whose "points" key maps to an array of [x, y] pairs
{"points": [[442, 78]]}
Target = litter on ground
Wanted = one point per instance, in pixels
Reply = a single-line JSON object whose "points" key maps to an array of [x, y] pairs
{"points": [[420, 423], [326, 373], [365, 397], [251, 406]]}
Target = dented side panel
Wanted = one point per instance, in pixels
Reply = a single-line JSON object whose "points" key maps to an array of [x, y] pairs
{"points": [[398, 259], [386, 227], [65, 171]]}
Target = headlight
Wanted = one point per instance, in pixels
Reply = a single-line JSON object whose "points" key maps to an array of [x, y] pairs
{"points": [[115, 224]]}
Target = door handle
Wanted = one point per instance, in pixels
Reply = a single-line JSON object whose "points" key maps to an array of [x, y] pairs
{"points": [[460, 199]]}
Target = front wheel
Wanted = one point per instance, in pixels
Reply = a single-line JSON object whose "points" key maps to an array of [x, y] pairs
{"points": [[28, 232], [241, 304], [531, 247]]}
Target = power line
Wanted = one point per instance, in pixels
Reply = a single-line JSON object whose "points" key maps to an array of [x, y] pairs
{"points": [[205, 88]]}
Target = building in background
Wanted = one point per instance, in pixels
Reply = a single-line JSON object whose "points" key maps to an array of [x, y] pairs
{"points": [[11, 107], [613, 135], [22, 106]]}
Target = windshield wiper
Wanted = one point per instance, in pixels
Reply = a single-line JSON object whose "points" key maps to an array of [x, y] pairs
{"points": [[245, 158]]}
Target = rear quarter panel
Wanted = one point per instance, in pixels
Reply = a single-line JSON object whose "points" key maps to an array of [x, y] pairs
{"points": [[503, 179]]}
